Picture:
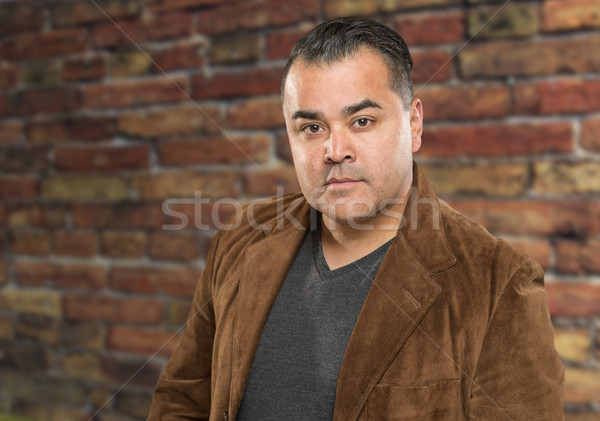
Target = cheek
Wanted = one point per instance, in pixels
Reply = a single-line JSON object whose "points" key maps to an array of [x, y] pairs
{"points": [[305, 159]]}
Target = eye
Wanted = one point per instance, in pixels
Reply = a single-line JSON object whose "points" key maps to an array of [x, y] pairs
{"points": [[311, 129], [362, 122]]}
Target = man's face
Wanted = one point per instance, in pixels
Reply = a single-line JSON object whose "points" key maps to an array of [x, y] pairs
{"points": [[351, 138]]}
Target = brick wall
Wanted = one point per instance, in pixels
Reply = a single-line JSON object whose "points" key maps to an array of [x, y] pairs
{"points": [[108, 108]]}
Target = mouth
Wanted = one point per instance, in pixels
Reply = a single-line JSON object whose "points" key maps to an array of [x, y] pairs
{"points": [[341, 182]]}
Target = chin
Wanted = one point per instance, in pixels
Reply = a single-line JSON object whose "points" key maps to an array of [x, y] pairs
{"points": [[358, 219]]}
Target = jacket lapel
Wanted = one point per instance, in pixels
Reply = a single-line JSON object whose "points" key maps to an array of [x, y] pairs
{"points": [[402, 293], [266, 264]]}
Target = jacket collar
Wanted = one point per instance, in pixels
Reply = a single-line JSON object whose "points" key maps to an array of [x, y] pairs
{"points": [[403, 290]]}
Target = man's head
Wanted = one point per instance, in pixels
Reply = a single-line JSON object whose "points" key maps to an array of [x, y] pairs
{"points": [[335, 40], [351, 125]]}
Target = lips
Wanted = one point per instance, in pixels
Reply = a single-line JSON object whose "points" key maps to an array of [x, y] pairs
{"points": [[341, 180]]}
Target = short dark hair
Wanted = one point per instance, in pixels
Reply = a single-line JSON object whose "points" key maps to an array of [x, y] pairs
{"points": [[337, 39]]}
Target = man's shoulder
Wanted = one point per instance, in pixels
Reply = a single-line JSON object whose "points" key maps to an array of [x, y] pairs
{"points": [[471, 240]]}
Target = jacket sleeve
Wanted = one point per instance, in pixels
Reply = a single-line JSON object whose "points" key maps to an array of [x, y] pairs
{"points": [[184, 387], [519, 374]]}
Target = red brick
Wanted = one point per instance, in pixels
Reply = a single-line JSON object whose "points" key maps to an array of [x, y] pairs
{"points": [[195, 215], [76, 12], [283, 149], [183, 55], [33, 243], [256, 14], [23, 357], [79, 276], [279, 44], [171, 122], [85, 188], [4, 278], [121, 215], [135, 31], [104, 370], [136, 93], [71, 129], [3, 221], [464, 102], [142, 341], [42, 72], [582, 416], [16, 17], [43, 100], [174, 246], [561, 15], [18, 160], [573, 299], [175, 281], [37, 216], [35, 301], [124, 64], [7, 332], [583, 387], [566, 177], [74, 243], [11, 131], [481, 179], [82, 335], [40, 329], [112, 309], [429, 28], [133, 403], [538, 250], [185, 184], [565, 96], [519, 58], [18, 188], [341, 8], [235, 48], [252, 82], [432, 66], [36, 274], [102, 158], [510, 20], [590, 136], [265, 182], [572, 344], [124, 244], [260, 113], [84, 69], [577, 218], [168, 5], [9, 75], [179, 311], [45, 44], [35, 388], [215, 150], [497, 139], [578, 257]]}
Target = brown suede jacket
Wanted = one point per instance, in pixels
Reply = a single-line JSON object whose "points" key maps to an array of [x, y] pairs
{"points": [[455, 325]]}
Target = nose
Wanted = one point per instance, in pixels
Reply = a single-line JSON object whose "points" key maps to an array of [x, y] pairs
{"points": [[339, 147]]}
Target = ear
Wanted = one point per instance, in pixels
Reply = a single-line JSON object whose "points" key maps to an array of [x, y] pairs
{"points": [[416, 123]]}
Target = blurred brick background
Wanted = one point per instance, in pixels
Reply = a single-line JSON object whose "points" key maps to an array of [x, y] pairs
{"points": [[108, 108]]}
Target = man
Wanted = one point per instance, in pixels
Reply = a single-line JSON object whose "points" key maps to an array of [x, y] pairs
{"points": [[365, 297]]}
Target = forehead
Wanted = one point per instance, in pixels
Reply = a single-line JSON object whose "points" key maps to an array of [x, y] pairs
{"points": [[363, 74]]}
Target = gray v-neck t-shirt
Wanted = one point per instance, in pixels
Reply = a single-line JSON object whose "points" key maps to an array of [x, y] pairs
{"points": [[295, 369]]}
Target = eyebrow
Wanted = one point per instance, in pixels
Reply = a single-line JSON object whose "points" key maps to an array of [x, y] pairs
{"points": [[354, 108], [309, 115], [347, 110]]}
